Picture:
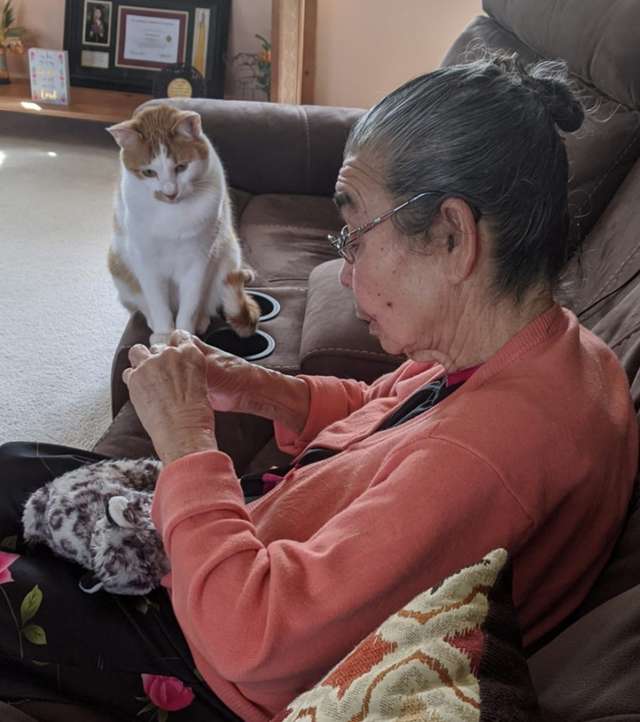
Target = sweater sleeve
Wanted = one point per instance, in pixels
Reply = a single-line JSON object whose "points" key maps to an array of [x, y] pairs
{"points": [[276, 617], [332, 399]]}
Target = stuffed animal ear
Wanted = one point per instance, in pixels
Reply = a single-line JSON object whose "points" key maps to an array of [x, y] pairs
{"points": [[189, 125], [116, 509], [125, 134]]}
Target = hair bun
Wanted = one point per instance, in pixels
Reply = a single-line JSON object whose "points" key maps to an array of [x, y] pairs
{"points": [[550, 80]]}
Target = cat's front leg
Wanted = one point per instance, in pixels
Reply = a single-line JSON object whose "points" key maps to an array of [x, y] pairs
{"points": [[160, 320], [190, 293]]}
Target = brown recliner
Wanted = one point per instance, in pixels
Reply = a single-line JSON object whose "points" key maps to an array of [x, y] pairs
{"points": [[282, 163]]}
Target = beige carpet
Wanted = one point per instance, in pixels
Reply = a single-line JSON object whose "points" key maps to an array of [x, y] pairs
{"points": [[60, 320]]}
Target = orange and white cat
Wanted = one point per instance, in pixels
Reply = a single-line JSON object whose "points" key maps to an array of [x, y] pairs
{"points": [[175, 255]]}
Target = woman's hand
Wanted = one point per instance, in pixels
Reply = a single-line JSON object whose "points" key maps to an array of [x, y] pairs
{"points": [[168, 389], [231, 380], [238, 385]]}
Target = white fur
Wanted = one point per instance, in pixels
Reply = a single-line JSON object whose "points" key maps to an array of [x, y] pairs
{"points": [[180, 252]]}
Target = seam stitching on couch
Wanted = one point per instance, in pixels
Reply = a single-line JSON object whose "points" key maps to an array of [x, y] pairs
{"points": [[616, 162], [617, 273], [631, 334]]}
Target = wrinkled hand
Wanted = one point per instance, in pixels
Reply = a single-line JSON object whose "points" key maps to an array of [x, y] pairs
{"points": [[168, 389], [231, 381], [235, 384]]}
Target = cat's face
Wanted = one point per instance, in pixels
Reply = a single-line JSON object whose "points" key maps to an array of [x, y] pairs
{"points": [[166, 151]]}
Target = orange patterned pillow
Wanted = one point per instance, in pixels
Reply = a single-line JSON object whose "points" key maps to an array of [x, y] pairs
{"points": [[453, 654]]}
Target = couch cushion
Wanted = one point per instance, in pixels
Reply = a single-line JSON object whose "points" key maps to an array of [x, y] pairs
{"points": [[590, 672], [599, 39], [609, 260], [603, 151], [285, 236], [334, 341], [453, 653]]}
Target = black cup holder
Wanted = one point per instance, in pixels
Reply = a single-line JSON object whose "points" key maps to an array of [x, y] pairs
{"points": [[269, 306], [251, 348]]}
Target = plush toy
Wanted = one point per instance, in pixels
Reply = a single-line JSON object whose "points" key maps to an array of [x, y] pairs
{"points": [[99, 516]]}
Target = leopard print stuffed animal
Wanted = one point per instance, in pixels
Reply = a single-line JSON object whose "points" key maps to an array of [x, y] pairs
{"points": [[99, 516]]}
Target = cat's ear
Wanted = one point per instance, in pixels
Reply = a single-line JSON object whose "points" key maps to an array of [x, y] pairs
{"points": [[188, 124], [125, 134]]}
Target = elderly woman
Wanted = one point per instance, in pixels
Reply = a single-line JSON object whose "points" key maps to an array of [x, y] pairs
{"points": [[509, 424]]}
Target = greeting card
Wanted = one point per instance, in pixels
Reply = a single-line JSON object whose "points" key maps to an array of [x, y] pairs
{"points": [[49, 71]]}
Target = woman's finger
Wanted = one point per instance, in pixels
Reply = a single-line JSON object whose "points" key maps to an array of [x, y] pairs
{"points": [[126, 374], [138, 354], [179, 337]]}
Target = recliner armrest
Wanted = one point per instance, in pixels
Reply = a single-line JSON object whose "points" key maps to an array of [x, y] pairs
{"points": [[274, 147]]}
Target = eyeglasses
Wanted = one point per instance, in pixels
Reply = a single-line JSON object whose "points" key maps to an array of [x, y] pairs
{"points": [[345, 242]]}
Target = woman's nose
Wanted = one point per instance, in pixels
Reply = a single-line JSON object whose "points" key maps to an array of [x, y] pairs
{"points": [[345, 274]]}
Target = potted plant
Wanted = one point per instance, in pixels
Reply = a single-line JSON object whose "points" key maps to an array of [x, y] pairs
{"points": [[10, 38]]}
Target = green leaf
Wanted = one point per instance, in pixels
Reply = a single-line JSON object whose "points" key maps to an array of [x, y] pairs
{"points": [[163, 715], [35, 634], [10, 542], [30, 605], [147, 708]]}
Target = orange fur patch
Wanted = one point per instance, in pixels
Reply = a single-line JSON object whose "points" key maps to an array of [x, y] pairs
{"points": [[156, 127], [249, 309], [119, 269]]}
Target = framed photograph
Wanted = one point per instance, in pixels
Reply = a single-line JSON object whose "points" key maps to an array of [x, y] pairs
{"points": [[97, 23], [124, 44]]}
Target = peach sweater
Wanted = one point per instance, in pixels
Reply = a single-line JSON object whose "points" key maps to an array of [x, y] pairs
{"points": [[536, 452]]}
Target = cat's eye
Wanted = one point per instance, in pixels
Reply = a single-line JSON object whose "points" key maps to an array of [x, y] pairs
{"points": [[148, 173], [180, 168]]}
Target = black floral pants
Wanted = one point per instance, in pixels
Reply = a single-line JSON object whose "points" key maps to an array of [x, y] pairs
{"points": [[124, 655]]}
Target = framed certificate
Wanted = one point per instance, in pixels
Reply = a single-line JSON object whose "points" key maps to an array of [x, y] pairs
{"points": [[124, 44]]}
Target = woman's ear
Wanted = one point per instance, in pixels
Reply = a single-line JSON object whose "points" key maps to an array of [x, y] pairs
{"points": [[462, 238]]}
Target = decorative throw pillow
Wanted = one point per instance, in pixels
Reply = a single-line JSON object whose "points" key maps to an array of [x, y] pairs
{"points": [[453, 654]]}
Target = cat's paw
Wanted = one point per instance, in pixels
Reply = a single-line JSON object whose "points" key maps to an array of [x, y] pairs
{"points": [[159, 339], [249, 274]]}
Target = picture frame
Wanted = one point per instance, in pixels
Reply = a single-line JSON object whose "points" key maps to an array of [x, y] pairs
{"points": [[97, 22], [124, 44]]}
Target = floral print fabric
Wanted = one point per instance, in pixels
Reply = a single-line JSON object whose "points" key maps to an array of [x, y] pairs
{"points": [[57, 643]]}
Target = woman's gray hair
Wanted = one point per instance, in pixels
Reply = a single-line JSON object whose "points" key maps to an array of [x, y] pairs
{"points": [[485, 131]]}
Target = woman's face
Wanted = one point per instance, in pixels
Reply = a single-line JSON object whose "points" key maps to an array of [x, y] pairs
{"points": [[404, 295], [97, 14]]}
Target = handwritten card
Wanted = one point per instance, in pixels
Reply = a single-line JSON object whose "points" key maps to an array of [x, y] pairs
{"points": [[49, 71]]}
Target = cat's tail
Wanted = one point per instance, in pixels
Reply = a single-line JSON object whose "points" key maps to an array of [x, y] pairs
{"points": [[241, 311]]}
